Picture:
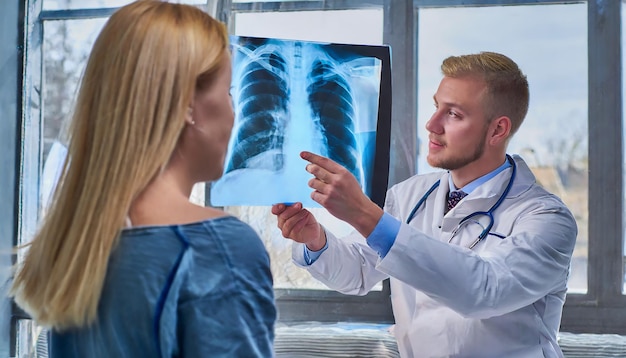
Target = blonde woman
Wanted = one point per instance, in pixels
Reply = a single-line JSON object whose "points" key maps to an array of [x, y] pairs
{"points": [[124, 265]]}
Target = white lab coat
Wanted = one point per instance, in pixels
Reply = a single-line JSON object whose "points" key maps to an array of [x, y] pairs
{"points": [[503, 298]]}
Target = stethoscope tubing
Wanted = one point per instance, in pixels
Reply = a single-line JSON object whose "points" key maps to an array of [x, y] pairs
{"points": [[488, 213]]}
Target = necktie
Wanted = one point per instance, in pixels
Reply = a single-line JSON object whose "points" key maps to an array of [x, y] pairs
{"points": [[454, 197]]}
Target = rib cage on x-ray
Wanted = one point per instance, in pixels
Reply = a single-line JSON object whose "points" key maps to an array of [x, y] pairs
{"points": [[331, 102], [263, 101], [263, 106]]}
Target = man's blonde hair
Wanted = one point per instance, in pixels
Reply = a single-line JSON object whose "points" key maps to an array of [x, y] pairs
{"points": [[507, 87], [143, 71]]}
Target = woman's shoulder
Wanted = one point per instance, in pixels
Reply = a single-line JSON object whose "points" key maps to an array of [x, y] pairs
{"points": [[213, 229], [226, 231], [224, 251]]}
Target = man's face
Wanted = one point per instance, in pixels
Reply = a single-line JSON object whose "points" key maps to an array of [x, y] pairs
{"points": [[458, 128]]}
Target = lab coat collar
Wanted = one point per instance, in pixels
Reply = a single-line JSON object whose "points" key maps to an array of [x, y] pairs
{"points": [[483, 197]]}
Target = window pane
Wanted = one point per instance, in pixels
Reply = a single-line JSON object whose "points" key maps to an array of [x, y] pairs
{"points": [[90, 4], [66, 47], [366, 27], [551, 49]]}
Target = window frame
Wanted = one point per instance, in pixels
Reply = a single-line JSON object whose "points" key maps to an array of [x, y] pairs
{"points": [[12, 58]]}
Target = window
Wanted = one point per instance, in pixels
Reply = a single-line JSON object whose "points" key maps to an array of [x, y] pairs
{"points": [[597, 305], [294, 285], [600, 309], [367, 25], [552, 52]]}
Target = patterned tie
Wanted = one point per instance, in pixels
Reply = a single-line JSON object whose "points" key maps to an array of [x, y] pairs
{"points": [[454, 197]]}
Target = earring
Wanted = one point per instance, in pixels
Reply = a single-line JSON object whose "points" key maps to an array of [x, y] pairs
{"points": [[193, 122]]}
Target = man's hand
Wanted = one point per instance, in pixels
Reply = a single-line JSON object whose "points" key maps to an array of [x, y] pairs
{"points": [[337, 190], [299, 225]]}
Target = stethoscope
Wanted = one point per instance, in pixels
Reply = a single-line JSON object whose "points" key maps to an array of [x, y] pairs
{"points": [[488, 213]]}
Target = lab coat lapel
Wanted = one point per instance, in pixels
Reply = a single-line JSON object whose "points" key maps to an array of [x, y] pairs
{"points": [[481, 199], [441, 196]]}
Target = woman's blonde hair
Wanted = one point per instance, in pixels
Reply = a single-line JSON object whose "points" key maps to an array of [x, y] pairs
{"points": [[144, 68]]}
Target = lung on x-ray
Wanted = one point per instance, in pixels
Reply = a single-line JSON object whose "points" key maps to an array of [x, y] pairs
{"points": [[289, 96]]}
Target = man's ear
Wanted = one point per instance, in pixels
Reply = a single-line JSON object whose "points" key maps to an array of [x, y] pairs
{"points": [[499, 130]]}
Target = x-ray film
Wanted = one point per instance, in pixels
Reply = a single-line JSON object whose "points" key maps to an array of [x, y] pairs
{"points": [[290, 96]]}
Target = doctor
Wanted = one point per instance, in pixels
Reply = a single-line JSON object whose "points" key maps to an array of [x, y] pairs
{"points": [[484, 278]]}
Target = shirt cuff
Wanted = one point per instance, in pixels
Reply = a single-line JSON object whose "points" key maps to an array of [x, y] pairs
{"points": [[311, 256], [384, 234]]}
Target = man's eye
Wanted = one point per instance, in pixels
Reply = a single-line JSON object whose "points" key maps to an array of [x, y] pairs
{"points": [[453, 114]]}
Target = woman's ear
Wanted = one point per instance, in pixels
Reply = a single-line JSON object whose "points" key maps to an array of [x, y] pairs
{"points": [[500, 130], [189, 116]]}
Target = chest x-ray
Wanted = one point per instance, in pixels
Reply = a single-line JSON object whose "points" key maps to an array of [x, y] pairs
{"points": [[290, 96]]}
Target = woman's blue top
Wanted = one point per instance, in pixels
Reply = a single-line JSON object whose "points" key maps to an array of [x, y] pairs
{"points": [[196, 290]]}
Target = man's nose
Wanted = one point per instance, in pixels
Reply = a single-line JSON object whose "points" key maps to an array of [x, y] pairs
{"points": [[434, 123]]}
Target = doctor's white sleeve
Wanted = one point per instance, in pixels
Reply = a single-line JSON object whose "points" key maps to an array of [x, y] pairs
{"points": [[348, 265], [527, 265]]}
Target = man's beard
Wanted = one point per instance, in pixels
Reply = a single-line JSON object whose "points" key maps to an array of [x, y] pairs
{"points": [[460, 161]]}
